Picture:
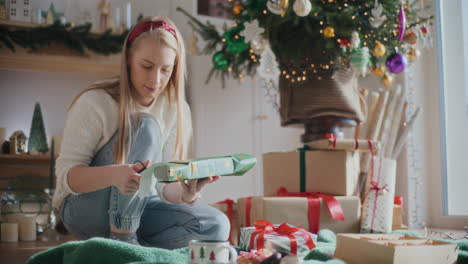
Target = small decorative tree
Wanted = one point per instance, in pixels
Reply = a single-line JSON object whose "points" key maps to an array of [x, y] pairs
{"points": [[37, 135]]}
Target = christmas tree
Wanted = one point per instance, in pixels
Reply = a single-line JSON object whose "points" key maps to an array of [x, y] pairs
{"points": [[37, 135], [311, 38]]}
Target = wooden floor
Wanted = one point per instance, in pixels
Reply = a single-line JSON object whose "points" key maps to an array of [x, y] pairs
{"points": [[20, 252]]}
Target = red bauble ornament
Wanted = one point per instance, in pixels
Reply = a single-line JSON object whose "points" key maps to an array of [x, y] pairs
{"points": [[424, 30], [344, 42]]}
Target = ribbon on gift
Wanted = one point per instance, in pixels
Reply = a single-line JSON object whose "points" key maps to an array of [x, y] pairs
{"points": [[375, 187], [302, 167], [248, 209], [263, 227], [313, 206], [230, 213], [398, 200], [332, 138]]}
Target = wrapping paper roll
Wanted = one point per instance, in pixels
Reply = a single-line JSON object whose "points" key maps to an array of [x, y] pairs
{"points": [[9, 232], [57, 143], [360, 145]]}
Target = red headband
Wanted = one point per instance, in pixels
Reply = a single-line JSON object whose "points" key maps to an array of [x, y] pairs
{"points": [[150, 25]]}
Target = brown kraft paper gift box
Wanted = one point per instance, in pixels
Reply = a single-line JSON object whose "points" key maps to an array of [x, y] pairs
{"points": [[279, 210], [235, 225], [393, 249], [333, 172]]}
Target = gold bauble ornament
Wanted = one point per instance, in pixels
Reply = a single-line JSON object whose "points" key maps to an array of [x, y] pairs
{"points": [[387, 80], [413, 54], [379, 71], [283, 7], [237, 9], [379, 49], [329, 32]]}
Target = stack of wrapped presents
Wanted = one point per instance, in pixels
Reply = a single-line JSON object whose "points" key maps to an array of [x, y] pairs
{"points": [[320, 186], [312, 188]]}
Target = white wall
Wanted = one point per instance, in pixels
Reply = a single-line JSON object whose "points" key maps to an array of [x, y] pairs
{"points": [[19, 91], [224, 119]]}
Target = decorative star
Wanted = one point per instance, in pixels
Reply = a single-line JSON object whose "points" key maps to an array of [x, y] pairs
{"points": [[377, 18], [252, 31]]}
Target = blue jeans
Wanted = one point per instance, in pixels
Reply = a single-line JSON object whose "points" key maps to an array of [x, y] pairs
{"points": [[158, 223]]}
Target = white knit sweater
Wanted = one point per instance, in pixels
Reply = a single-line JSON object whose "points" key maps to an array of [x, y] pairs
{"points": [[91, 123]]}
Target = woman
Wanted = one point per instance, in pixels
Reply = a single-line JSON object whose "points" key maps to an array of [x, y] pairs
{"points": [[114, 129]]}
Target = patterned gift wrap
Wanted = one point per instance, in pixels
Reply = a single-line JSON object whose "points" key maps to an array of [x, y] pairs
{"points": [[377, 210], [234, 165], [285, 237]]}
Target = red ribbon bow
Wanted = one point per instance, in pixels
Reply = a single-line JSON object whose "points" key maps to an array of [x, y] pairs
{"points": [[398, 200], [375, 187], [313, 201], [331, 137], [230, 213], [263, 227]]}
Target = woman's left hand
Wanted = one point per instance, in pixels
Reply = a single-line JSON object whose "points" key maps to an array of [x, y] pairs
{"points": [[191, 188]]}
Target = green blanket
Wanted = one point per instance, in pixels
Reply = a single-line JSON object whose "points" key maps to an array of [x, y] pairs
{"points": [[101, 250]]}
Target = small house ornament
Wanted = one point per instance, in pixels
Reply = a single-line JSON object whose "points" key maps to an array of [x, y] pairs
{"points": [[18, 143], [3, 10], [20, 10]]}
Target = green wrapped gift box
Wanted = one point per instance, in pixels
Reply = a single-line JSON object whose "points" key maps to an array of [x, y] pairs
{"points": [[233, 165]]}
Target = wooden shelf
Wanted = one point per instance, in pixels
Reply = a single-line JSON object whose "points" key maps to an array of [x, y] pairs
{"points": [[12, 166], [18, 23], [56, 58], [7, 158]]}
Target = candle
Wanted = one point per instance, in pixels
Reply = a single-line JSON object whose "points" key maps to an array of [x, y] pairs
{"points": [[129, 15], [9, 232], [117, 18], [27, 228], [2, 135]]}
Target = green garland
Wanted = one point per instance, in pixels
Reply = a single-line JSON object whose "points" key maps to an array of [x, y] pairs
{"points": [[78, 38], [298, 42]]}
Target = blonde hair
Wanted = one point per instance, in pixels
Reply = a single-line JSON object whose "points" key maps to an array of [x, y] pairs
{"points": [[122, 91]]}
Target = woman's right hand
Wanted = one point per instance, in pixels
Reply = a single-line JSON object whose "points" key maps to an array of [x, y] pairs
{"points": [[126, 177]]}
